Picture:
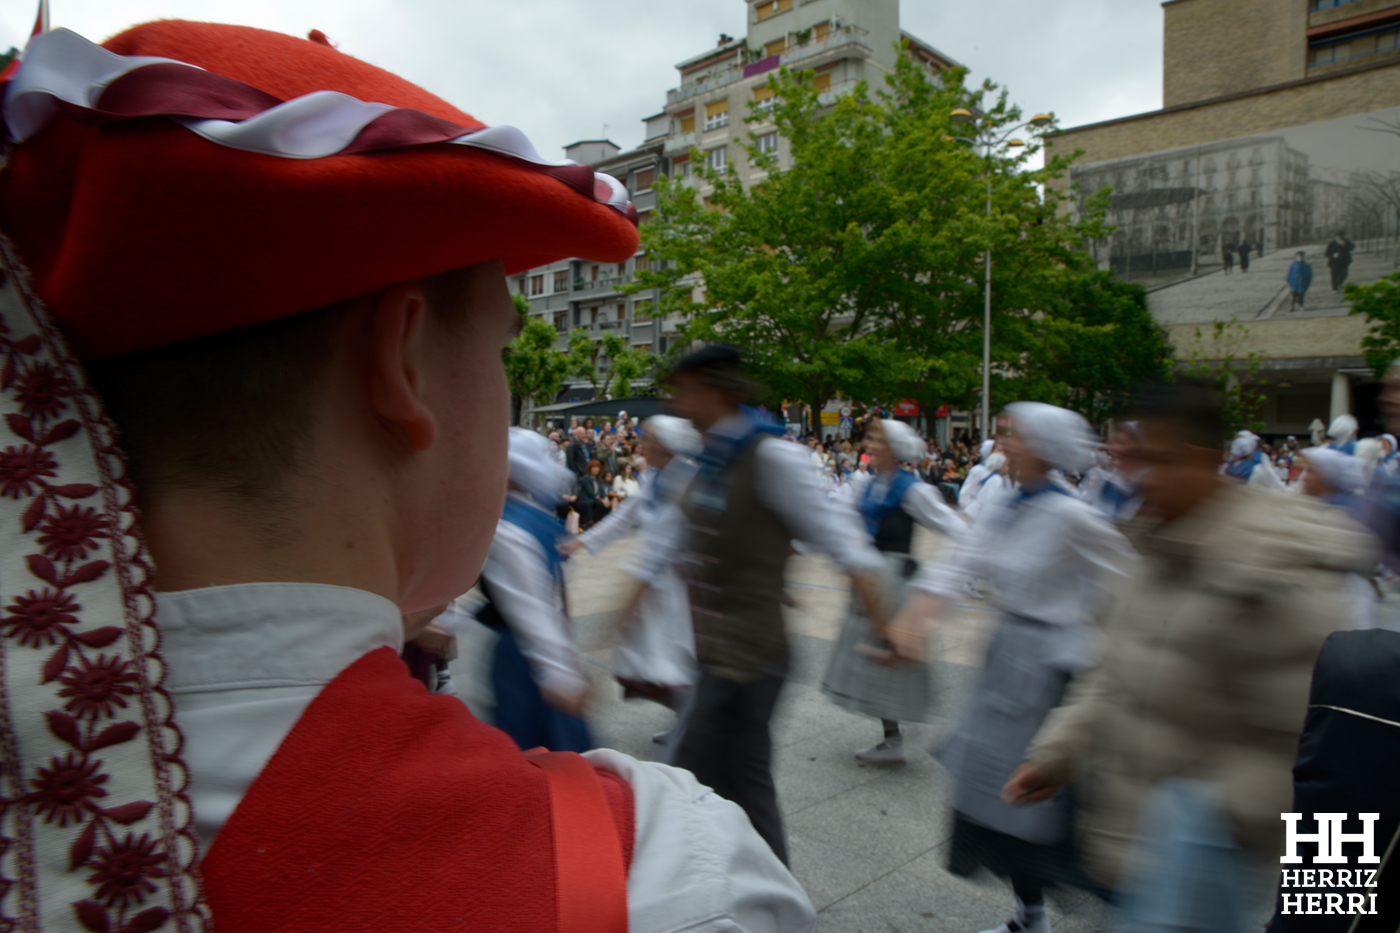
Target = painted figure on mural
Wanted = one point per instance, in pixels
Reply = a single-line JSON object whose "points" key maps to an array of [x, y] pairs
{"points": [[1339, 259], [1227, 255], [1300, 276], [1244, 249]]}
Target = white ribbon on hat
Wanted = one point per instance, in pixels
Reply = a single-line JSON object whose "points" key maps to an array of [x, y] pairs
{"points": [[61, 65]]}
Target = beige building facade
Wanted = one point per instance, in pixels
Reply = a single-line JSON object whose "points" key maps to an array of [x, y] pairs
{"points": [[1277, 148]]}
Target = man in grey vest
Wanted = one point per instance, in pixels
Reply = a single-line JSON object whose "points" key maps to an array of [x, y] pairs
{"points": [[753, 495]]}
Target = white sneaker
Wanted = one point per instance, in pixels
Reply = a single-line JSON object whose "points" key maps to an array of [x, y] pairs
{"points": [[1034, 920], [885, 753]]}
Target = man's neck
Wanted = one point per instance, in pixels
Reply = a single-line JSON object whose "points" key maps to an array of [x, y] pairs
{"points": [[200, 539]]}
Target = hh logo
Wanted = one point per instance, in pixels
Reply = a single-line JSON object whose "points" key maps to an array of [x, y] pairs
{"points": [[1329, 838]]}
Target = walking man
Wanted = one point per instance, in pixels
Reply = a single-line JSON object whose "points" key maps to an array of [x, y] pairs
{"points": [[753, 496], [1338, 255]]}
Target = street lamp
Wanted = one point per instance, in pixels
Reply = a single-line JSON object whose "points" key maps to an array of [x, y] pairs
{"points": [[986, 136]]}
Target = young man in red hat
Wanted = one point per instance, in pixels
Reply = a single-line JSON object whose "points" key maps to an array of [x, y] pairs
{"points": [[284, 270]]}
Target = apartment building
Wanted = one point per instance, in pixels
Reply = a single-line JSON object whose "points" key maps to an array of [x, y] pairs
{"points": [[843, 41], [1277, 142]]}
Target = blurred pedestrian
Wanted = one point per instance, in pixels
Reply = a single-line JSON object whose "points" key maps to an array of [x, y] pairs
{"points": [[866, 674], [1249, 465], [1050, 557], [1194, 712], [752, 497], [654, 655], [536, 671]]}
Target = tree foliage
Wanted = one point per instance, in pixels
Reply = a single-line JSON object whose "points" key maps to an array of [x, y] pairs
{"points": [[858, 271], [534, 368], [1215, 360], [1379, 301], [610, 365]]}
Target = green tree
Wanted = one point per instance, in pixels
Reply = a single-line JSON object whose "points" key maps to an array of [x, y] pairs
{"points": [[1215, 360], [609, 365], [1097, 344], [534, 368], [1379, 301], [859, 271]]}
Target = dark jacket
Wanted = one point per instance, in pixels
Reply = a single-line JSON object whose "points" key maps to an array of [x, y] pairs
{"points": [[576, 457]]}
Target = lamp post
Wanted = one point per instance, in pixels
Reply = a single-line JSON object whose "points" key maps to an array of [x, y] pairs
{"points": [[987, 137]]}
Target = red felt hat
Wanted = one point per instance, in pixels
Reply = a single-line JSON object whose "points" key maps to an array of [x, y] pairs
{"points": [[154, 202]]}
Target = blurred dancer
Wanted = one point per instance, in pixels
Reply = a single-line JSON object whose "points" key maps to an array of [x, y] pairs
{"points": [[753, 495], [655, 652], [1191, 719], [865, 675], [537, 672], [1334, 477], [1341, 434], [1050, 557], [1248, 464], [978, 475], [995, 486]]}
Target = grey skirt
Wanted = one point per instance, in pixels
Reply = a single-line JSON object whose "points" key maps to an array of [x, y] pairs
{"points": [[902, 691], [1016, 690]]}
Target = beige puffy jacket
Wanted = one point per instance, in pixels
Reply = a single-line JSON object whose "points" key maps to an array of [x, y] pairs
{"points": [[1209, 649]]}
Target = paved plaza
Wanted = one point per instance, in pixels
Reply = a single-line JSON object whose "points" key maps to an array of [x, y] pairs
{"points": [[867, 841]]}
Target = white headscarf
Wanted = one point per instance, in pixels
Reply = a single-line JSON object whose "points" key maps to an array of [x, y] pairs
{"points": [[995, 462], [1343, 428], [1244, 445], [675, 434], [534, 471], [1340, 471], [1058, 436], [904, 442], [985, 451], [1394, 444]]}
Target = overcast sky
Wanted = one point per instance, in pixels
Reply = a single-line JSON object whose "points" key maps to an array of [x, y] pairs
{"points": [[561, 70]]}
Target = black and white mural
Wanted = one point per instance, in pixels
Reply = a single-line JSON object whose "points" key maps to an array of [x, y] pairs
{"points": [[1257, 227]]}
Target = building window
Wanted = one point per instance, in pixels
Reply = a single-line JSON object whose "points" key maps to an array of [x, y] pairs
{"points": [[595, 273], [561, 281], [768, 142], [621, 269], [716, 115], [717, 158], [561, 321], [770, 8], [822, 31], [776, 47], [688, 123], [641, 311], [680, 168], [643, 180], [537, 285], [642, 348], [641, 264], [1327, 54], [823, 82], [1388, 41], [765, 97]]}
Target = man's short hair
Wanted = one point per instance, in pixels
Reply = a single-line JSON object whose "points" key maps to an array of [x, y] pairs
{"points": [[1192, 405], [719, 365], [233, 412]]}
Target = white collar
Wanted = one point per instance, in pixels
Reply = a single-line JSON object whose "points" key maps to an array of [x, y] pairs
{"points": [[270, 634]]}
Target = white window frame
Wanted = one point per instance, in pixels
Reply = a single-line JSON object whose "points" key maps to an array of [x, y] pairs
{"points": [[718, 158], [768, 142], [717, 121]]}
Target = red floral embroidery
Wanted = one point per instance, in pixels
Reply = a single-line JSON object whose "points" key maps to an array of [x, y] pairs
{"points": [[97, 688], [41, 391], [41, 618], [124, 870], [71, 533], [20, 466], [64, 790]]}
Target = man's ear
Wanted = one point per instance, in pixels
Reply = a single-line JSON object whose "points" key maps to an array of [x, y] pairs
{"points": [[398, 357]]}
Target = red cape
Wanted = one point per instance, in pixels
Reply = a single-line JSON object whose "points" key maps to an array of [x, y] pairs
{"points": [[386, 808]]}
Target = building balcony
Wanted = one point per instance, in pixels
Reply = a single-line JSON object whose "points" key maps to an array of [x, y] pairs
{"points": [[848, 41], [704, 85], [679, 145]]}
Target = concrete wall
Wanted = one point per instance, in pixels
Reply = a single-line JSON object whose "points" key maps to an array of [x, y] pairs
{"points": [[1304, 338], [1216, 47]]}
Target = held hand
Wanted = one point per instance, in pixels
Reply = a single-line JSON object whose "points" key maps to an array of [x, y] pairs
{"points": [[1027, 785], [570, 547], [907, 644], [571, 704]]}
